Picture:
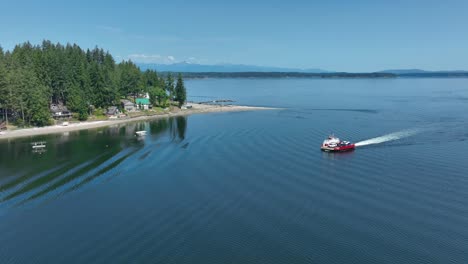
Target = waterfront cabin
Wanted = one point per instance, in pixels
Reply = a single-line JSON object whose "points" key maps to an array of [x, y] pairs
{"points": [[142, 103], [112, 111], [60, 112], [127, 105]]}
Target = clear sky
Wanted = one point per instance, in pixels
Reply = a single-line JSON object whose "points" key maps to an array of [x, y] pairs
{"points": [[360, 35]]}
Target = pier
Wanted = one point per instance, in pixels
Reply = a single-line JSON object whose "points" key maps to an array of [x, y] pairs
{"points": [[215, 102]]}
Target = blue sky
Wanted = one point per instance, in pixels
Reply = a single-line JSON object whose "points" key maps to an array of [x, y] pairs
{"points": [[335, 35]]}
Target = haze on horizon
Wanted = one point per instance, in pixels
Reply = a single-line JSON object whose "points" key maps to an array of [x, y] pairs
{"points": [[361, 36]]}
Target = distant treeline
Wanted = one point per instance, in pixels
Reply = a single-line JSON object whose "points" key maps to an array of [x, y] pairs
{"points": [[322, 75], [285, 75], [435, 75], [32, 77]]}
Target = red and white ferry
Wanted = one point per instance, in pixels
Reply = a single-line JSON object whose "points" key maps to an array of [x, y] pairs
{"points": [[333, 143]]}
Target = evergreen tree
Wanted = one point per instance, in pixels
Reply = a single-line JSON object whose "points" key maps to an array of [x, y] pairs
{"points": [[34, 77], [82, 111], [169, 86], [3, 86], [28, 97], [181, 93], [151, 78], [97, 85], [37, 110], [129, 79]]}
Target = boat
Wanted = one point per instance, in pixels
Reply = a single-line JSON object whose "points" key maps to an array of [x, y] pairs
{"points": [[39, 144], [140, 133], [334, 144]]}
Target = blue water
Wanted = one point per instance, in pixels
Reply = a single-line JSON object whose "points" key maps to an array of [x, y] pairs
{"points": [[252, 187]]}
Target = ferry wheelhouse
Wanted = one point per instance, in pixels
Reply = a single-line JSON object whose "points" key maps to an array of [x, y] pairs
{"points": [[333, 143]]}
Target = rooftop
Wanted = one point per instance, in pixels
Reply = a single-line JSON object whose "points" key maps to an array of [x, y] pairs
{"points": [[143, 101]]}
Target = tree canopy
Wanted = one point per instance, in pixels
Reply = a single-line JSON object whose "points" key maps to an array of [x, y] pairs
{"points": [[33, 77]]}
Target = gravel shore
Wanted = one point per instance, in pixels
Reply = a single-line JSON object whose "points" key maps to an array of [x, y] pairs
{"points": [[196, 109]]}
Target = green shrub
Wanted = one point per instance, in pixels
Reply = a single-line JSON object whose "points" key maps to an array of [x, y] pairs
{"points": [[20, 123], [99, 112], [82, 115]]}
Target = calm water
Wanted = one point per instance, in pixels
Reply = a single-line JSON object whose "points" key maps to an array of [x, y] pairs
{"points": [[252, 187]]}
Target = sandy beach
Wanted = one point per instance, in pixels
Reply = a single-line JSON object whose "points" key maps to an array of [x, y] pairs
{"points": [[196, 109]]}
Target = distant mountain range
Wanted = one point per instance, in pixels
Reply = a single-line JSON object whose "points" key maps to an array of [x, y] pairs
{"points": [[193, 67], [242, 70]]}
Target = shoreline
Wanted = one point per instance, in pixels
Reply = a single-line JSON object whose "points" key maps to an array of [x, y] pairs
{"points": [[197, 109]]}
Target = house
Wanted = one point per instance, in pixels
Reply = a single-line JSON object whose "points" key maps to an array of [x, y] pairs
{"points": [[60, 111], [112, 111], [143, 95], [127, 105], [142, 103]]}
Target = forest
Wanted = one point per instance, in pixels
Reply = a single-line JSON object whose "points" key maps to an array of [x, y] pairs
{"points": [[34, 77]]}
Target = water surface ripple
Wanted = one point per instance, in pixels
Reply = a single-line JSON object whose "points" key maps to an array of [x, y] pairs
{"points": [[252, 187]]}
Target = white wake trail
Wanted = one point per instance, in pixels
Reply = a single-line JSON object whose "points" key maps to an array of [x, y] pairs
{"points": [[389, 137]]}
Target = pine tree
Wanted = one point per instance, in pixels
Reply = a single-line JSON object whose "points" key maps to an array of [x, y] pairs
{"points": [[37, 107], [180, 91], [97, 85], [3, 86], [169, 86], [129, 78], [28, 97]]}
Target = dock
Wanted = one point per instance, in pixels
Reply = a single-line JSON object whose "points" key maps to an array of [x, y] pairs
{"points": [[216, 102]]}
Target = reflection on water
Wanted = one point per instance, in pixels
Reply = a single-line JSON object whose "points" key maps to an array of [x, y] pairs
{"points": [[39, 150], [181, 124], [74, 159]]}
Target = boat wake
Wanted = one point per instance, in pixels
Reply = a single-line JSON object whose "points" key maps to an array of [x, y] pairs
{"points": [[389, 137]]}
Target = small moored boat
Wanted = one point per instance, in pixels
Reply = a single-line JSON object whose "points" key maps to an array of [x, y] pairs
{"points": [[39, 144], [140, 133], [333, 143]]}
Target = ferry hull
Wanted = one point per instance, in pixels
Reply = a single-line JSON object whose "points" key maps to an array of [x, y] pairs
{"points": [[338, 149]]}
